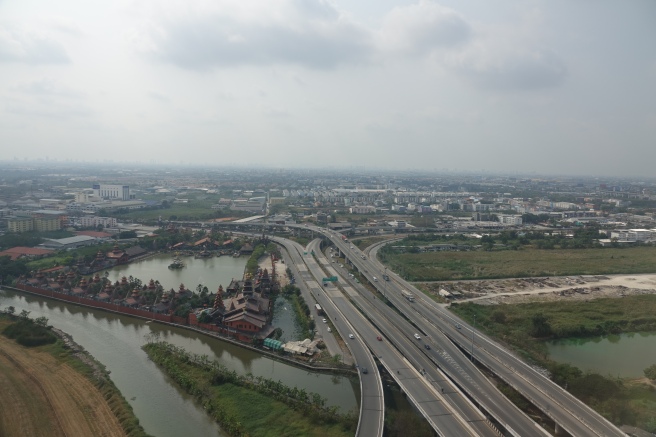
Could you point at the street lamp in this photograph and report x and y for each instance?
(472, 348)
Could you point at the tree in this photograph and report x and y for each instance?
(25, 314)
(41, 321)
(10, 310)
(650, 372)
(541, 326)
(498, 316)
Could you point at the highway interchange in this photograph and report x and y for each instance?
(436, 378)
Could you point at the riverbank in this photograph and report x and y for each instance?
(59, 390)
(245, 405)
(304, 364)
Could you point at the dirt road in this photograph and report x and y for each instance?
(43, 397)
(522, 290)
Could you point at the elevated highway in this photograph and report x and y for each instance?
(564, 409)
(444, 401)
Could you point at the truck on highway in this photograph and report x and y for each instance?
(408, 295)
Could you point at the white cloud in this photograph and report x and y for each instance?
(18, 44)
(421, 28)
(47, 87)
(313, 34)
(490, 66)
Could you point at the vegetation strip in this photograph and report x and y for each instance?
(248, 405)
(526, 262)
(527, 326)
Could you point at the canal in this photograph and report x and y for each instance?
(116, 340)
(623, 355)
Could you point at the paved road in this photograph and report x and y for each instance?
(372, 405)
(422, 392)
(400, 334)
(571, 414)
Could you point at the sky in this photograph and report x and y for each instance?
(514, 86)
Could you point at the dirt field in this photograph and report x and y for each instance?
(492, 292)
(43, 397)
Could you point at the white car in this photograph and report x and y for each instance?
(330, 330)
(351, 336)
(325, 321)
(417, 337)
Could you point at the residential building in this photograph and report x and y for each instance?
(20, 224)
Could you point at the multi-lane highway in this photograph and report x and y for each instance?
(443, 404)
(568, 412)
(443, 330)
(372, 406)
(446, 357)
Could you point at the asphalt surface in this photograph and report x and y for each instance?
(443, 397)
(372, 405)
(571, 414)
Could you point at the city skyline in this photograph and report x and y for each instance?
(514, 87)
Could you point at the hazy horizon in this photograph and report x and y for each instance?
(540, 87)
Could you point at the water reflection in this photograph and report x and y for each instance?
(623, 355)
(116, 340)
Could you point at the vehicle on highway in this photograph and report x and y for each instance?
(379, 338)
(330, 330)
(417, 336)
(408, 295)
(351, 336)
(375, 279)
(364, 370)
(427, 346)
(324, 321)
(458, 325)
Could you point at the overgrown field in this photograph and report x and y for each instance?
(526, 326)
(247, 405)
(444, 266)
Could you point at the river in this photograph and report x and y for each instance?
(163, 410)
(623, 355)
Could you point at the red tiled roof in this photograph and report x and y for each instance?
(15, 252)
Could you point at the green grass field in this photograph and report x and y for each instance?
(444, 266)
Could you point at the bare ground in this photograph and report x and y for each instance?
(492, 292)
(41, 396)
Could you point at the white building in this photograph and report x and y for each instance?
(121, 192)
(93, 221)
(514, 220)
(632, 235)
(362, 209)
